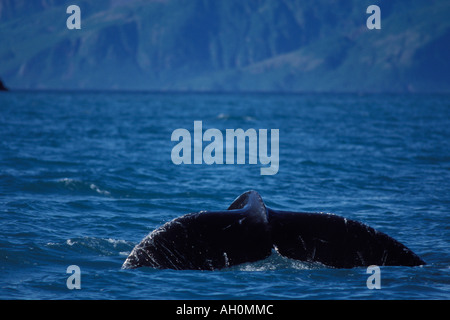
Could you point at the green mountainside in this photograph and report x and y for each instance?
(226, 45)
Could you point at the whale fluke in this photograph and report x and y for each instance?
(336, 241)
(248, 231)
(208, 240)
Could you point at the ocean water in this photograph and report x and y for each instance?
(84, 177)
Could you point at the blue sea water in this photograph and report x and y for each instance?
(85, 176)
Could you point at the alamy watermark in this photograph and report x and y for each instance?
(213, 153)
(374, 280)
(73, 281)
(74, 20)
(374, 20)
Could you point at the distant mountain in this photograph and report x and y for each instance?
(227, 45)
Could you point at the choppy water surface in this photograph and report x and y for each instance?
(85, 176)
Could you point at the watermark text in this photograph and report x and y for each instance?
(213, 153)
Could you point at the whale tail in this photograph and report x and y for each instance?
(248, 231)
(208, 240)
(335, 241)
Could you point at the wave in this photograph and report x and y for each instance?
(63, 185)
(78, 185)
(98, 246)
(277, 262)
(226, 116)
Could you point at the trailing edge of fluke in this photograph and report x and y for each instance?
(248, 231)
